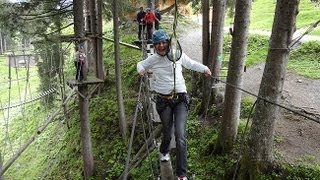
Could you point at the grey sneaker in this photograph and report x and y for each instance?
(164, 157)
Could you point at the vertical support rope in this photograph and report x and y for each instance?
(174, 47)
(132, 132)
(8, 111)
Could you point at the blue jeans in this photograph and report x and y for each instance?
(174, 112)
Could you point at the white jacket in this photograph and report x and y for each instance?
(162, 69)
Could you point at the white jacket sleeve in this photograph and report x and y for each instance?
(188, 63)
(146, 64)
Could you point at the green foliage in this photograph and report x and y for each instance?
(263, 13)
(292, 172)
(257, 49)
(246, 106)
(201, 163)
(256, 52)
(305, 60)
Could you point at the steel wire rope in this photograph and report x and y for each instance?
(30, 76)
(49, 119)
(29, 141)
(18, 83)
(148, 101)
(297, 39)
(17, 78)
(293, 43)
(8, 113)
(6, 125)
(243, 140)
(37, 97)
(23, 107)
(317, 120)
(147, 145)
(132, 130)
(175, 51)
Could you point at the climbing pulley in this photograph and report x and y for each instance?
(175, 50)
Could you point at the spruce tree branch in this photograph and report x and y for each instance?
(64, 27)
(46, 16)
(45, 13)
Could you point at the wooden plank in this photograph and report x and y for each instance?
(166, 170)
(90, 80)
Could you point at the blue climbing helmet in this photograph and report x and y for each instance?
(159, 36)
(148, 9)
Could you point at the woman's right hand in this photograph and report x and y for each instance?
(141, 73)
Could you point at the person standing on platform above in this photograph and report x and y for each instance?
(172, 100)
(141, 23)
(150, 18)
(158, 16)
(80, 63)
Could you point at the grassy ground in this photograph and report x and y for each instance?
(263, 11)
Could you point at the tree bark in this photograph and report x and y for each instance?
(78, 18)
(205, 54)
(92, 44)
(231, 112)
(78, 6)
(1, 43)
(258, 156)
(121, 113)
(214, 54)
(99, 61)
(1, 164)
(216, 46)
(85, 132)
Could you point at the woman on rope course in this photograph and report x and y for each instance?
(172, 100)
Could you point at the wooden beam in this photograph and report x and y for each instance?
(123, 43)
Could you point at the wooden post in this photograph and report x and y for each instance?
(85, 131)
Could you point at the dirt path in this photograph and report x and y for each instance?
(297, 139)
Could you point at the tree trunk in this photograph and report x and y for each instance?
(99, 61)
(214, 55)
(205, 32)
(1, 164)
(217, 36)
(78, 6)
(85, 131)
(231, 112)
(205, 54)
(78, 18)
(258, 156)
(1, 43)
(92, 44)
(121, 113)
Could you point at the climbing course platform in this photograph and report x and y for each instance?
(89, 81)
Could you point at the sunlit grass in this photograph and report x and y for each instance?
(263, 11)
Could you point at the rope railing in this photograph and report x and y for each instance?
(315, 119)
(37, 97)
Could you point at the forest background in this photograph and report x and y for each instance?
(58, 149)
